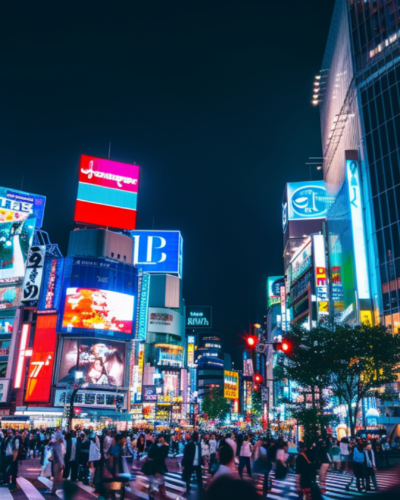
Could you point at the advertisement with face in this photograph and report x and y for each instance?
(274, 284)
(97, 362)
(94, 309)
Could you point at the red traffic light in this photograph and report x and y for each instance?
(251, 340)
(256, 388)
(258, 378)
(285, 347)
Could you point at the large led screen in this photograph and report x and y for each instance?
(97, 362)
(94, 309)
(107, 193)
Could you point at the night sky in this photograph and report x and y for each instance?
(211, 98)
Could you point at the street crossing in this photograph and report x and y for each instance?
(138, 487)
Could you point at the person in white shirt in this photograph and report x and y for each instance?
(371, 467)
(108, 440)
(344, 454)
(229, 439)
(213, 450)
(244, 457)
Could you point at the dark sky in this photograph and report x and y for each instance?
(211, 98)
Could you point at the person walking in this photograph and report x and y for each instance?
(70, 459)
(262, 464)
(192, 462)
(83, 458)
(358, 467)
(305, 472)
(245, 456)
(231, 441)
(213, 451)
(323, 460)
(344, 454)
(334, 452)
(58, 464)
(226, 462)
(371, 467)
(12, 456)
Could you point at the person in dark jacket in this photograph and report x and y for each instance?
(323, 460)
(305, 471)
(71, 456)
(83, 458)
(192, 462)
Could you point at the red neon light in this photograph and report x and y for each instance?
(42, 360)
(285, 346)
(26, 329)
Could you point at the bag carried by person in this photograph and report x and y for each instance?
(94, 452)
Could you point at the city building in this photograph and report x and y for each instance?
(358, 95)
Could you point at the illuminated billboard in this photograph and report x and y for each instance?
(96, 362)
(107, 193)
(306, 200)
(164, 321)
(52, 285)
(231, 385)
(33, 273)
(95, 309)
(158, 251)
(357, 224)
(274, 284)
(198, 317)
(17, 206)
(321, 283)
(42, 360)
(106, 297)
(301, 261)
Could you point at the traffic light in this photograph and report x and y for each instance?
(251, 341)
(284, 346)
(256, 388)
(257, 379)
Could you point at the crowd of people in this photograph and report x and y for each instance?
(101, 458)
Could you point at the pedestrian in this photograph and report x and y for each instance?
(70, 459)
(231, 441)
(334, 452)
(205, 451)
(58, 463)
(83, 458)
(108, 442)
(305, 472)
(385, 450)
(281, 461)
(213, 451)
(358, 468)
(226, 462)
(344, 454)
(323, 460)
(12, 444)
(262, 464)
(371, 467)
(192, 462)
(232, 489)
(245, 457)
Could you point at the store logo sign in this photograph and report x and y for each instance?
(307, 200)
(158, 251)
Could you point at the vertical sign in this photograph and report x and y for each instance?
(33, 273)
(321, 285)
(357, 224)
(283, 307)
(143, 307)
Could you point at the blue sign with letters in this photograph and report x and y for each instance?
(307, 200)
(158, 251)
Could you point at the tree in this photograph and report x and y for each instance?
(309, 364)
(215, 405)
(256, 407)
(364, 359)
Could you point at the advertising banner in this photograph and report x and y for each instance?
(321, 283)
(144, 293)
(274, 284)
(149, 393)
(17, 206)
(248, 368)
(94, 309)
(301, 261)
(42, 360)
(107, 193)
(19, 213)
(158, 251)
(33, 273)
(307, 200)
(98, 295)
(164, 321)
(99, 363)
(52, 285)
(357, 223)
(231, 385)
(198, 317)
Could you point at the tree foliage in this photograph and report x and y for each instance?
(353, 362)
(214, 405)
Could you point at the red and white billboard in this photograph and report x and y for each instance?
(42, 360)
(107, 193)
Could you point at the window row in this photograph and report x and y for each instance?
(380, 84)
(385, 173)
(388, 243)
(383, 140)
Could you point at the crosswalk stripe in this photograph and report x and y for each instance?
(5, 494)
(47, 482)
(30, 491)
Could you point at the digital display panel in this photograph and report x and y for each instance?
(274, 284)
(95, 309)
(164, 321)
(306, 200)
(42, 360)
(158, 251)
(198, 317)
(107, 193)
(17, 206)
(301, 261)
(231, 385)
(97, 362)
(52, 285)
